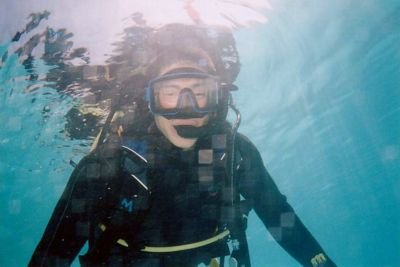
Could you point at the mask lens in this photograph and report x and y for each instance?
(174, 94)
(166, 94)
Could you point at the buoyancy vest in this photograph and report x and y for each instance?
(172, 197)
(185, 188)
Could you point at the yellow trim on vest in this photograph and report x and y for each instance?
(187, 246)
(96, 141)
(122, 242)
(318, 260)
(214, 263)
(168, 249)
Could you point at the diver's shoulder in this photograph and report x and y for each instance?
(244, 143)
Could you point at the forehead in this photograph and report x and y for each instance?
(183, 65)
(183, 81)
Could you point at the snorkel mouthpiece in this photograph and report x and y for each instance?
(188, 131)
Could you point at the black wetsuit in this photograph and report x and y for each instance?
(178, 204)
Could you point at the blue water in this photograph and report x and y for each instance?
(320, 97)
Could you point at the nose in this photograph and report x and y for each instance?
(186, 99)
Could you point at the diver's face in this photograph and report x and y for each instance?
(168, 100)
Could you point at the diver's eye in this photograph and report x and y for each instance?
(169, 90)
(199, 90)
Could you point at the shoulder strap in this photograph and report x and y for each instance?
(130, 197)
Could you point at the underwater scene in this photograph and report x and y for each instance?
(317, 84)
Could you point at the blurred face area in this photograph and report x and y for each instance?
(168, 98)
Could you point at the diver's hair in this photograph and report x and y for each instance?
(145, 51)
(192, 55)
(212, 47)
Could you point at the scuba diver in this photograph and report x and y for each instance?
(169, 181)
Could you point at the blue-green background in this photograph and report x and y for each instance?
(320, 97)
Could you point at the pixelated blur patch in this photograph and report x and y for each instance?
(276, 233)
(14, 124)
(205, 156)
(206, 178)
(78, 205)
(390, 153)
(187, 156)
(93, 170)
(287, 219)
(219, 141)
(205, 174)
(397, 190)
(82, 229)
(14, 206)
(209, 212)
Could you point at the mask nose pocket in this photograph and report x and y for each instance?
(187, 100)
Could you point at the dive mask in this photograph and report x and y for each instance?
(184, 94)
